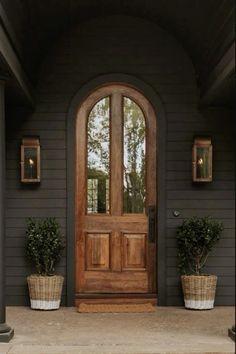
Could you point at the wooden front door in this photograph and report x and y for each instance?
(115, 192)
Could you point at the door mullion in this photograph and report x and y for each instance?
(116, 153)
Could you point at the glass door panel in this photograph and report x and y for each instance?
(98, 158)
(134, 158)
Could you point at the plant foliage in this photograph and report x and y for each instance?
(195, 240)
(44, 244)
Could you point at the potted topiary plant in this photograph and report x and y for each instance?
(195, 240)
(44, 245)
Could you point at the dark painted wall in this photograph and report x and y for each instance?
(135, 47)
(206, 28)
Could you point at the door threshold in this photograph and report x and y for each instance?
(116, 299)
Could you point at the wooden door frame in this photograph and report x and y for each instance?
(153, 97)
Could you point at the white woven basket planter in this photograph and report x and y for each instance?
(45, 291)
(199, 291)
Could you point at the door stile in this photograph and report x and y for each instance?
(81, 179)
(116, 154)
(151, 189)
(116, 175)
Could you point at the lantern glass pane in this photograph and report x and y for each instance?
(30, 163)
(202, 164)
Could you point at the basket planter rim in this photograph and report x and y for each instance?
(198, 276)
(44, 276)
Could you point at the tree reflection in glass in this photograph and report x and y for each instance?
(98, 156)
(133, 158)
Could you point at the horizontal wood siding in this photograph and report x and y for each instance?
(135, 47)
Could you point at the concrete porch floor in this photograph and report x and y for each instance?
(167, 330)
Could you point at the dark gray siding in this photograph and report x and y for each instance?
(138, 48)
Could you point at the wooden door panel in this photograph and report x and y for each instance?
(97, 251)
(134, 252)
(116, 282)
(126, 223)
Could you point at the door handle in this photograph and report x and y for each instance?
(152, 223)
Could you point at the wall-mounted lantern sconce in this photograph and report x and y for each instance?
(202, 160)
(30, 160)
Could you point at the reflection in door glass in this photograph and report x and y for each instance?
(134, 158)
(98, 150)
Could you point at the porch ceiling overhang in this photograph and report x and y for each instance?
(204, 28)
(12, 72)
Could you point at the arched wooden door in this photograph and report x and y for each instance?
(115, 195)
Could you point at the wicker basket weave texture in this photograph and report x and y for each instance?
(45, 287)
(197, 288)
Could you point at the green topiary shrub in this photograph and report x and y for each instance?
(44, 244)
(195, 240)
